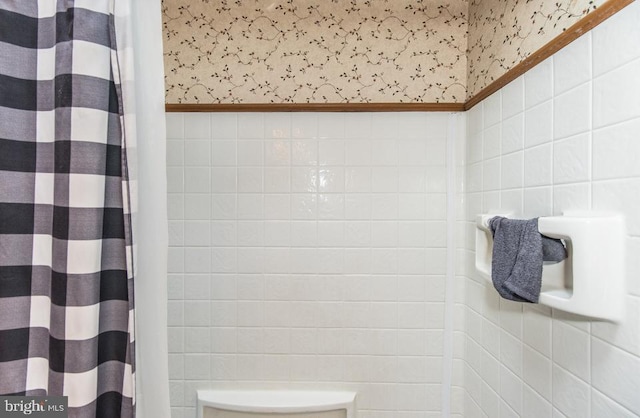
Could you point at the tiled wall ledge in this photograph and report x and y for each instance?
(590, 21)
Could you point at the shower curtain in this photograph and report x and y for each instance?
(67, 202)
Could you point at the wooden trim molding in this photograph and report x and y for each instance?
(581, 27)
(316, 107)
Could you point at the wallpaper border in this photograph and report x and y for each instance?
(581, 27)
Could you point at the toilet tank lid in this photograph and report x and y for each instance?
(276, 401)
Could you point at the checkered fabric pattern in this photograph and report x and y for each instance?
(66, 282)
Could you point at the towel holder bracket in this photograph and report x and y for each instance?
(590, 282)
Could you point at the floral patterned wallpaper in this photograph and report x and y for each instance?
(502, 33)
(315, 51)
(351, 51)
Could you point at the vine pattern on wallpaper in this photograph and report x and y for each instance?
(502, 33)
(315, 51)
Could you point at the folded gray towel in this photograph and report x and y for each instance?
(518, 252)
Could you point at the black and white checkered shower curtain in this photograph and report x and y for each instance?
(66, 282)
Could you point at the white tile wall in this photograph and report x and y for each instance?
(309, 250)
(574, 145)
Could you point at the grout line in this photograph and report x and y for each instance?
(452, 131)
(591, 129)
(524, 383)
(618, 404)
(564, 369)
(609, 343)
(616, 123)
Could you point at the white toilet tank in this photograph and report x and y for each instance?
(275, 403)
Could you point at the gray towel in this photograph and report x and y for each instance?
(518, 252)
